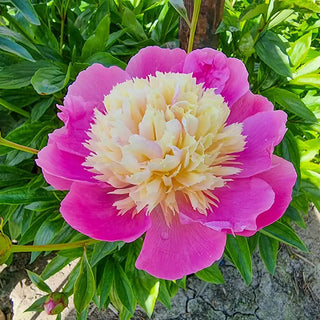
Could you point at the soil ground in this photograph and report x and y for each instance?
(293, 293)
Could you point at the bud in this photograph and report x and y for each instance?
(5, 245)
(55, 303)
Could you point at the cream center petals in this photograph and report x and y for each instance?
(163, 138)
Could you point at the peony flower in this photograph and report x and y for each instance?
(175, 146)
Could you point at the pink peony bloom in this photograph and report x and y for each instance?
(175, 146)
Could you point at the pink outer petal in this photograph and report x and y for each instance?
(56, 182)
(77, 116)
(237, 84)
(96, 82)
(263, 132)
(89, 209)
(84, 95)
(173, 252)
(60, 166)
(228, 75)
(248, 105)
(281, 177)
(240, 203)
(151, 59)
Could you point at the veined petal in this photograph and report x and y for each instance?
(173, 252)
(89, 209)
(240, 203)
(237, 84)
(152, 59)
(264, 131)
(96, 82)
(236, 206)
(281, 177)
(212, 68)
(62, 165)
(247, 106)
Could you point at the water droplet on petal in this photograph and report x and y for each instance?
(164, 235)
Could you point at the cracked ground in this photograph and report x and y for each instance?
(293, 293)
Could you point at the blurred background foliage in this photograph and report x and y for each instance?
(45, 44)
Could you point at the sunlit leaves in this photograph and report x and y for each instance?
(272, 51)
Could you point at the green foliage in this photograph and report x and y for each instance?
(43, 47)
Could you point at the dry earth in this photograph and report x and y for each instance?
(292, 293)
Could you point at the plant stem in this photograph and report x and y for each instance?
(7, 143)
(53, 247)
(194, 21)
(63, 14)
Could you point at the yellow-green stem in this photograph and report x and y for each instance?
(7, 143)
(194, 21)
(53, 247)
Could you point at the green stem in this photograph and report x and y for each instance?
(63, 14)
(53, 247)
(61, 32)
(194, 21)
(7, 143)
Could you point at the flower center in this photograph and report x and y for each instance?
(160, 137)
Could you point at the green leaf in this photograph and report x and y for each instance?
(97, 42)
(311, 79)
(102, 249)
(106, 282)
(69, 287)
(146, 290)
(255, 11)
(12, 175)
(14, 48)
(313, 192)
(130, 21)
(268, 248)
(106, 59)
(45, 234)
(23, 195)
(19, 75)
(27, 10)
(290, 102)
(238, 250)
(18, 37)
(37, 306)
(124, 289)
(295, 216)
(284, 233)
(40, 108)
(309, 67)
(13, 108)
(299, 49)
(181, 9)
(305, 4)
(38, 282)
(55, 265)
(211, 274)
(279, 17)
(84, 286)
(253, 242)
(164, 295)
(49, 80)
(289, 150)
(246, 44)
(271, 50)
